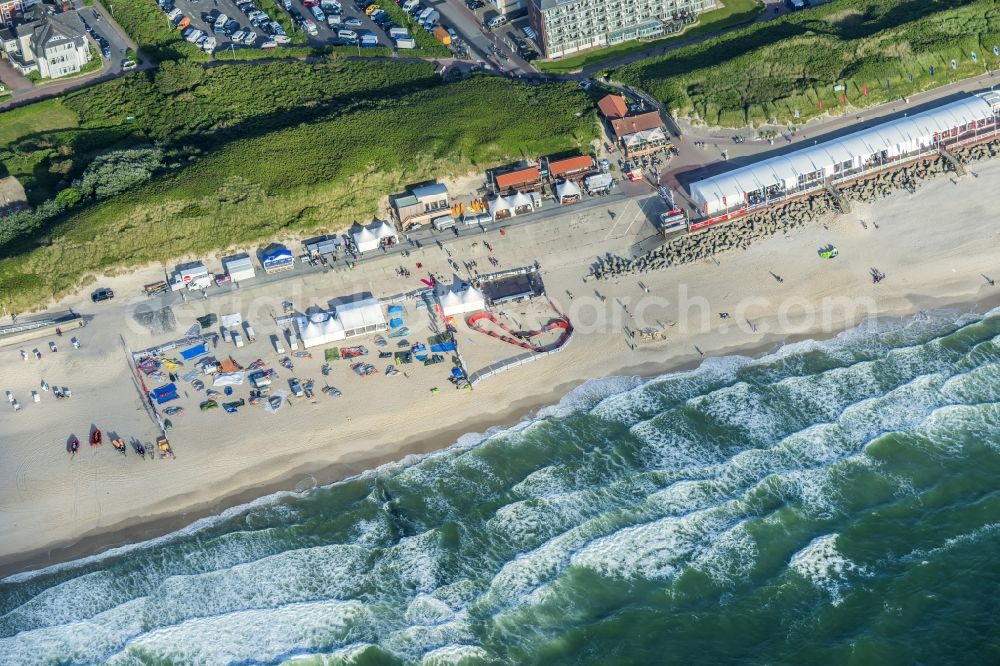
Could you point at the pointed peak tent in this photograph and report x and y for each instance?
(364, 239)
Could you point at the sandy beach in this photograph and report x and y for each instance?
(935, 246)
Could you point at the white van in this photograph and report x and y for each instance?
(333, 20)
(349, 35)
(496, 22)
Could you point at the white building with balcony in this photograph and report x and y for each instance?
(567, 26)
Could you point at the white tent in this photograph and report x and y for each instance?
(361, 317)
(501, 206)
(384, 230)
(365, 239)
(567, 191)
(319, 329)
(473, 299)
(458, 298)
(451, 302)
(522, 201)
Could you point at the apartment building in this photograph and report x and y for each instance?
(568, 26)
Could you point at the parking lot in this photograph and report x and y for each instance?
(328, 35)
(238, 30)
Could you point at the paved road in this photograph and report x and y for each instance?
(482, 42)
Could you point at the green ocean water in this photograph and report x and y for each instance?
(832, 503)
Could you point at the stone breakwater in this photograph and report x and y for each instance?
(741, 233)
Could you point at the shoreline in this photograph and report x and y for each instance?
(57, 509)
(146, 528)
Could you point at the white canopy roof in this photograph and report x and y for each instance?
(567, 188)
(384, 230)
(365, 239)
(521, 199)
(894, 137)
(500, 203)
(360, 316)
(458, 298)
(316, 330)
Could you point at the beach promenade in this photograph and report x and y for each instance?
(934, 246)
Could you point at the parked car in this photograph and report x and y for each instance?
(296, 387)
(353, 22)
(349, 35)
(102, 294)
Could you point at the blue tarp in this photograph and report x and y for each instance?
(456, 373)
(194, 352)
(395, 322)
(164, 394)
(396, 309)
(443, 347)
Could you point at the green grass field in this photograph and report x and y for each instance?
(317, 166)
(733, 12)
(765, 73)
(51, 114)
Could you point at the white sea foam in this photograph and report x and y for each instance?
(729, 557)
(411, 564)
(426, 610)
(825, 567)
(963, 539)
(548, 480)
(587, 395)
(257, 635)
(456, 655)
(981, 384)
(655, 549)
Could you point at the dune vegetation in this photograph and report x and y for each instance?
(840, 55)
(203, 164)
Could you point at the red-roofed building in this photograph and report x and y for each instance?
(613, 107)
(637, 123)
(519, 180)
(571, 167)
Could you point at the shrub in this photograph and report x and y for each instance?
(119, 171)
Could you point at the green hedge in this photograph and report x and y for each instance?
(793, 63)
